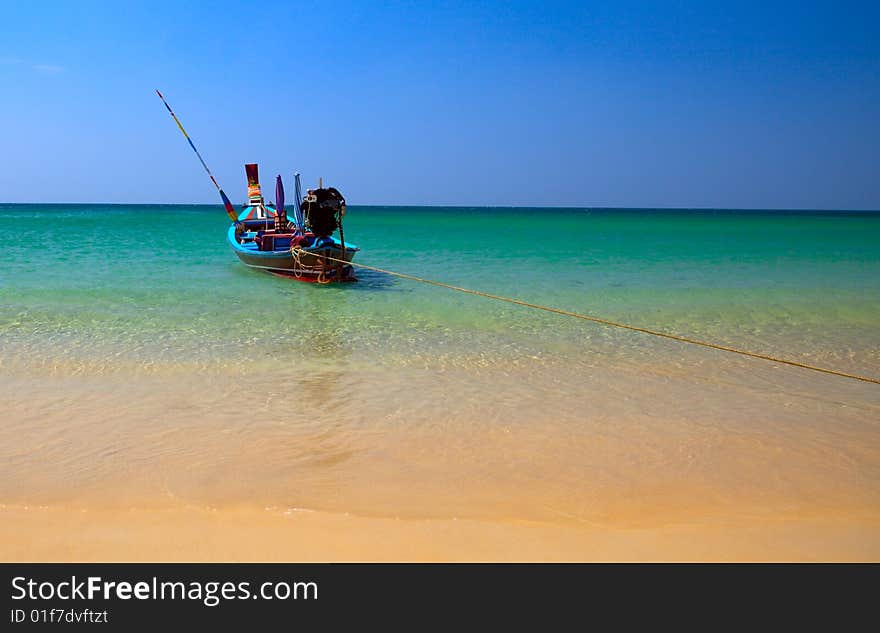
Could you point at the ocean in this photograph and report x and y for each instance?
(145, 367)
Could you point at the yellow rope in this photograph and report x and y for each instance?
(296, 253)
(585, 317)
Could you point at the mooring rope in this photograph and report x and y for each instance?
(608, 322)
(295, 252)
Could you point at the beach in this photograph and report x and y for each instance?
(163, 402)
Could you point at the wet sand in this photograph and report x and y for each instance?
(181, 406)
(242, 534)
(742, 462)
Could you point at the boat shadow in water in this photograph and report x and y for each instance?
(373, 280)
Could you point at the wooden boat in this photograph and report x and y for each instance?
(303, 247)
(263, 237)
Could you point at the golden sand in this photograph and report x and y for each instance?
(537, 463)
(241, 534)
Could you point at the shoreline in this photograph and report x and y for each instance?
(166, 409)
(163, 470)
(58, 533)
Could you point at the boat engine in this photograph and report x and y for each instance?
(323, 210)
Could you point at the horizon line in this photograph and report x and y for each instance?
(484, 206)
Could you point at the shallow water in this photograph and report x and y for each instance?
(143, 366)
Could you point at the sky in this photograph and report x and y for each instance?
(596, 104)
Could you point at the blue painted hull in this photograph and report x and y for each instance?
(309, 263)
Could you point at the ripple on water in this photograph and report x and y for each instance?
(193, 380)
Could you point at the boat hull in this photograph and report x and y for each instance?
(315, 264)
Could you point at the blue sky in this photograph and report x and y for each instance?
(667, 104)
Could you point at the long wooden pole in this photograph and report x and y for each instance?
(230, 210)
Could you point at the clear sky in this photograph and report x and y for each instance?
(668, 104)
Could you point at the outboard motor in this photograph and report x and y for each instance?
(323, 209)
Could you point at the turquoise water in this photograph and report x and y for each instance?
(144, 365)
(147, 284)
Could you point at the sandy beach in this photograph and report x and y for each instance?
(164, 411)
(236, 534)
(158, 468)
